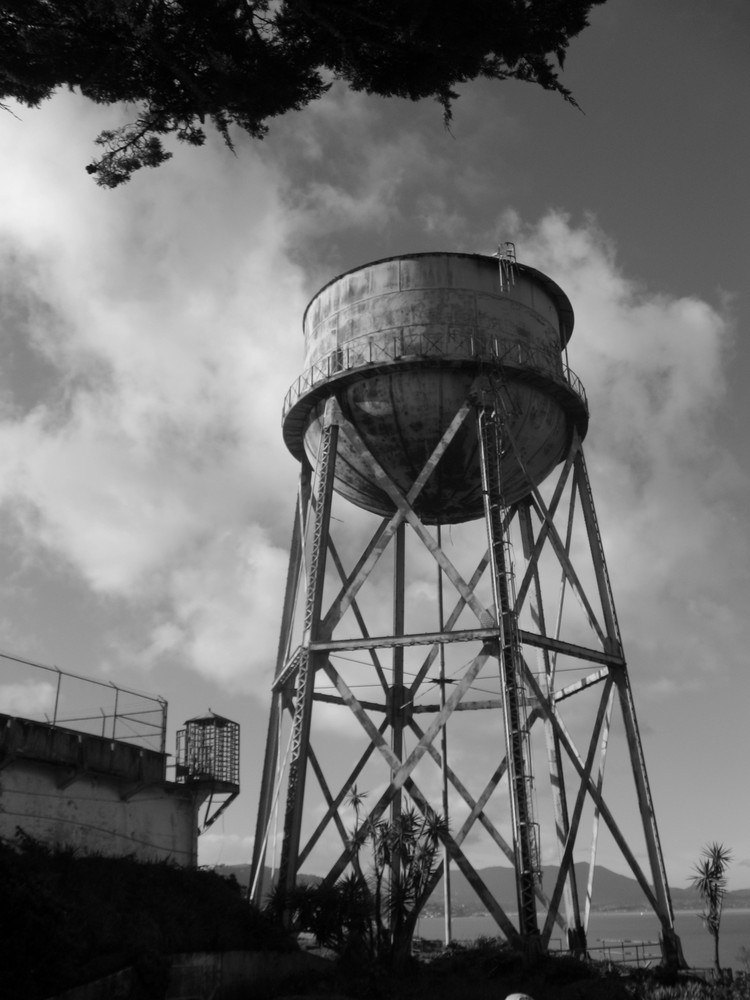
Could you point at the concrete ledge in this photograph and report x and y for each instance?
(228, 975)
(38, 741)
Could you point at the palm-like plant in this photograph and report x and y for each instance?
(710, 880)
(404, 871)
(373, 911)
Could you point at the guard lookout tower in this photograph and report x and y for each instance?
(449, 642)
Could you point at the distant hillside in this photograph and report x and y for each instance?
(242, 874)
(611, 891)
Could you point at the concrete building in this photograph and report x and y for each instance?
(107, 791)
(97, 795)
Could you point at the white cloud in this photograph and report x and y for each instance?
(27, 699)
(654, 368)
(164, 319)
(224, 849)
(226, 608)
(363, 180)
(164, 313)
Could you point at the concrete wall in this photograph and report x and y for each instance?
(106, 797)
(228, 975)
(234, 974)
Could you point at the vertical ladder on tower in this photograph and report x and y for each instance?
(492, 416)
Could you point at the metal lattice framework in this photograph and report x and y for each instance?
(517, 669)
(208, 760)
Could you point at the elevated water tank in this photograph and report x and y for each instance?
(208, 751)
(400, 342)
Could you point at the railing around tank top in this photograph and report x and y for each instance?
(458, 345)
(61, 699)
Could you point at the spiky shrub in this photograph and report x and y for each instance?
(374, 909)
(710, 880)
(404, 870)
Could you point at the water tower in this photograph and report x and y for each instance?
(208, 763)
(449, 641)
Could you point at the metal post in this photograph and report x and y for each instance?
(397, 696)
(268, 798)
(114, 713)
(309, 661)
(57, 696)
(163, 734)
(489, 428)
(448, 916)
(575, 931)
(671, 943)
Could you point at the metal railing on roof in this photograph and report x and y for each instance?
(405, 344)
(84, 704)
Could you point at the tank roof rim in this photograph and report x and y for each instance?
(562, 302)
(576, 405)
(209, 716)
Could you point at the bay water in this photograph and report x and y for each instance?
(609, 927)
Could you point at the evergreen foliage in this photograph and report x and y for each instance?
(66, 919)
(239, 63)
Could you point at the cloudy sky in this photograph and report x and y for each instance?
(148, 336)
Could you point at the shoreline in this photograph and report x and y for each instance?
(599, 912)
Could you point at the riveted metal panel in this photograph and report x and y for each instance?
(400, 343)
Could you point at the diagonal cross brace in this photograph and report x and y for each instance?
(404, 512)
(594, 792)
(401, 771)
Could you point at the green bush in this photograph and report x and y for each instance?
(67, 919)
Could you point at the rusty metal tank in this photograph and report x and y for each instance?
(401, 342)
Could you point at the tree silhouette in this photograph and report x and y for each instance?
(239, 63)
